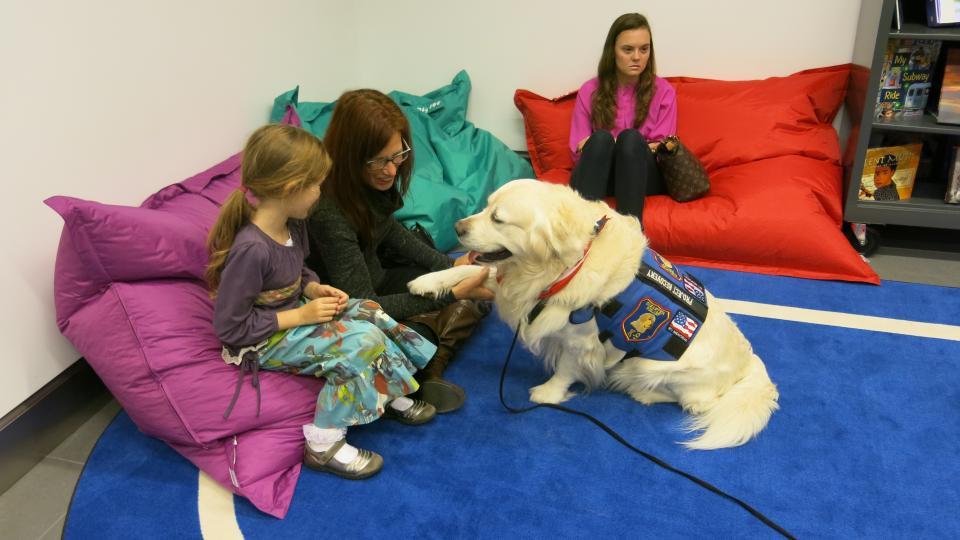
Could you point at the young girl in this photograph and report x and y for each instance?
(270, 305)
(619, 118)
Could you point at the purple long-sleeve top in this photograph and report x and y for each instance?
(260, 278)
(661, 118)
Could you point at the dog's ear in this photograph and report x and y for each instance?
(564, 230)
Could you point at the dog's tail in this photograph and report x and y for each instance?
(739, 414)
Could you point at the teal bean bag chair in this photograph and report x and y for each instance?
(457, 165)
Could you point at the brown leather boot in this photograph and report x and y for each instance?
(452, 325)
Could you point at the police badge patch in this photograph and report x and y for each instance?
(644, 321)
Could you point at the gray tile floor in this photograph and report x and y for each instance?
(36, 506)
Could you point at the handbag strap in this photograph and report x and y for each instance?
(669, 145)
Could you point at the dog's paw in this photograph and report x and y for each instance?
(436, 284)
(548, 393)
(426, 285)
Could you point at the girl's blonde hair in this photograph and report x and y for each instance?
(278, 160)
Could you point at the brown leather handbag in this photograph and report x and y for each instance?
(682, 172)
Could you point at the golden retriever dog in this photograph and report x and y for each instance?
(563, 266)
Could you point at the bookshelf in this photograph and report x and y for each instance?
(926, 207)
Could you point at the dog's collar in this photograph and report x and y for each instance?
(567, 276)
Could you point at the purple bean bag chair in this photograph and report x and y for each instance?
(130, 297)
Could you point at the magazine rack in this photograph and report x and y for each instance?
(926, 207)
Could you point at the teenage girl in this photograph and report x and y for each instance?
(620, 117)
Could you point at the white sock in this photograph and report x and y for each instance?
(320, 440)
(401, 403)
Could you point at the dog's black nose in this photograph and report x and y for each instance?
(460, 227)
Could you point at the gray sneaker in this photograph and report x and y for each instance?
(365, 465)
(420, 412)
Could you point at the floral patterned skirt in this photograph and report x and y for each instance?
(364, 358)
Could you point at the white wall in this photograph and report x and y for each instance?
(110, 100)
(552, 47)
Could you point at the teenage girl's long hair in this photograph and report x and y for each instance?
(278, 161)
(604, 104)
(362, 124)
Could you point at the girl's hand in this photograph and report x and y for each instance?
(316, 311)
(580, 144)
(320, 310)
(319, 290)
(472, 288)
(329, 290)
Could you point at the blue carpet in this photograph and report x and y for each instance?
(865, 446)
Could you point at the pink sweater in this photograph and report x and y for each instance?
(661, 118)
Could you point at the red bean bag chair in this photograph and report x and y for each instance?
(775, 199)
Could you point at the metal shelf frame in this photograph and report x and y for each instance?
(926, 207)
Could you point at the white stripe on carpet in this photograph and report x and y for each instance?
(218, 519)
(843, 320)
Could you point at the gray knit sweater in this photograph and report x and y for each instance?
(337, 256)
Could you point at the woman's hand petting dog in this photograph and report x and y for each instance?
(466, 281)
(473, 288)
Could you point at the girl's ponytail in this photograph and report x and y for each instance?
(233, 214)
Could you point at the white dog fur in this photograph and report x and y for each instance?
(719, 381)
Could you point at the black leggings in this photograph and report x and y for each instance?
(625, 169)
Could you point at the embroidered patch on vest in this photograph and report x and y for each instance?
(666, 265)
(683, 326)
(644, 321)
(694, 288)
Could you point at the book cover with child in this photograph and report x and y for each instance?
(905, 77)
(889, 172)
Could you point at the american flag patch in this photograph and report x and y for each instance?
(683, 326)
(694, 288)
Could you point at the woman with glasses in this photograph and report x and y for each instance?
(619, 118)
(360, 248)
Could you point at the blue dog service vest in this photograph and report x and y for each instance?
(657, 316)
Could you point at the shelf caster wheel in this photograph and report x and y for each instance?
(866, 242)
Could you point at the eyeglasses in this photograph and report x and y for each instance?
(379, 164)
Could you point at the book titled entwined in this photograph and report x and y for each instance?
(889, 172)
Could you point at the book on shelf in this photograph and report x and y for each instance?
(948, 105)
(942, 12)
(889, 172)
(953, 177)
(905, 77)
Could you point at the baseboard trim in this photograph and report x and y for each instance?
(38, 425)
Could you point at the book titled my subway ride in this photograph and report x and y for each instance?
(889, 172)
(905, 77)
